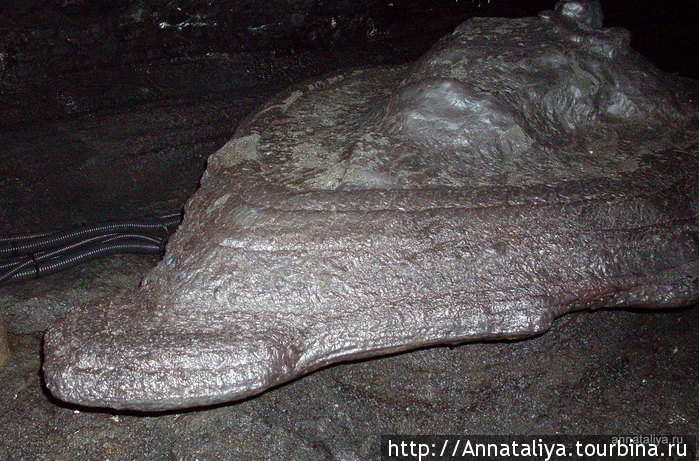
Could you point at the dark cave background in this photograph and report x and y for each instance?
(57, 36)
(110, 109)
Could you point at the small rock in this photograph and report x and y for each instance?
(588, 12)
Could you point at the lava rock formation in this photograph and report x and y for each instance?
(522, 169)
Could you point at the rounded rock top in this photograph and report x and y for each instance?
(588, 12)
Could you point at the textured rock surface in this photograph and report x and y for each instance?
(522, 169)
(587, 12)
(4, 348)
(604, 372)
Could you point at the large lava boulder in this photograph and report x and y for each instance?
(521, 170)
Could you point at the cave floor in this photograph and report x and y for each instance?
(141, 150)
(605, 372)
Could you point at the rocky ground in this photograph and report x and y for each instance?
(115, 121)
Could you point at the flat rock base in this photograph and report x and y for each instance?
(588, 373)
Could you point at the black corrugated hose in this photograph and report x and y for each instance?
(30, 256)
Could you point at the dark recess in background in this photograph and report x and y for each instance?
(55, 35)
(667, 32)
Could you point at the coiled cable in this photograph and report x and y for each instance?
(40, 254)
(20, 246)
